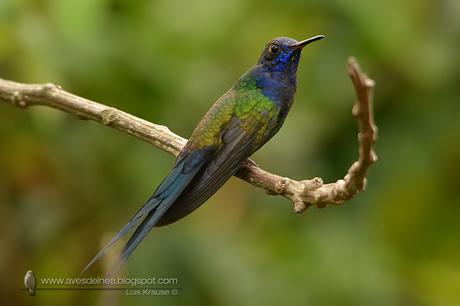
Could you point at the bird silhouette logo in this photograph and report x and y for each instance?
(30, 282)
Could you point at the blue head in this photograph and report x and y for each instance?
(275, 72)
(282, 54)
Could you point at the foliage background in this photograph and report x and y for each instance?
(66, 185)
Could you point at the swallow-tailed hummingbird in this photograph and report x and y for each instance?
(241, 121)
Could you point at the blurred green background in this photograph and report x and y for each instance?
(66, 185)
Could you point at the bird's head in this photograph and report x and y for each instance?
(283, 53)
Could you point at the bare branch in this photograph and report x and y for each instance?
(302, 193)
(314, 192)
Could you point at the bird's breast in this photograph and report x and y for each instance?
(278, 87)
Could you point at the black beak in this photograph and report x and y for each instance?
(305, 42)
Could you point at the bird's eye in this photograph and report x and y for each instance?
(273, 49)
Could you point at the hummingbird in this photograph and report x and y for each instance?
(241, 121)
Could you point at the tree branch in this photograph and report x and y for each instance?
(302, 193)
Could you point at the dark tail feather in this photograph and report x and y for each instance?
(165, 195)
(154, 216)
(148, 207)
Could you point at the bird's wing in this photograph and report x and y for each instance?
(187, 166)
(240, 139)
(238, 142)
(237, 145)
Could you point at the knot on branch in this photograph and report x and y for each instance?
(50, 89)
(281, 185)
(18, 99)
(108, 115)
(306, 194)
(313, 184)
(300, 205)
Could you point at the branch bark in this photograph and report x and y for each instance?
(302, 193)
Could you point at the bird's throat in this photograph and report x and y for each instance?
(278, 86)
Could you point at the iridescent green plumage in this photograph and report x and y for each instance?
(244, 101)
